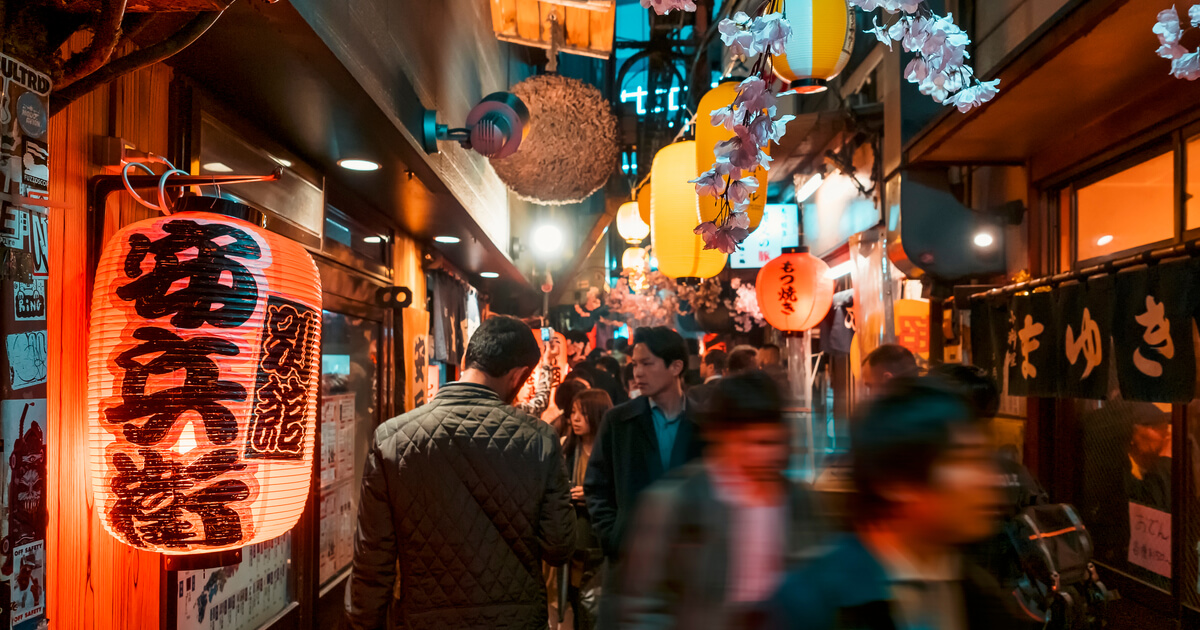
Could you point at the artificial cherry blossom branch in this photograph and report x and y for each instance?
(1184, 64)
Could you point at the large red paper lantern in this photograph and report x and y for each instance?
(794, 290)
(204, 367)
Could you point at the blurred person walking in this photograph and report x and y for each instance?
(581, 577)
(712, 368)
(926, 481)
(638, 443)
(741, 359)
(711, 541)
(462, 500)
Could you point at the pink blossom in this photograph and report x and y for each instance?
(739, 191)
(974, 95)
(771, 33)
(753, 95)
(710, 184)
(705, 230)
(1187, 67)
(765, 129)
(739, 219)
(725, 117)
(1194, 15)
(663, 7)
(916, 71)
(737, 36)
(1171, 51)
(1168, 28)
(916, 34)
(880, 32)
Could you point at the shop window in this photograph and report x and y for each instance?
(242, 596)
(348, 420)
(1127, 210)
(1126, 489)
(1193, 183)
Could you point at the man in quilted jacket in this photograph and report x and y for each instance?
(462, 500)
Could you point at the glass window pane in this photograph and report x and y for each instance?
(1193, 183)
(1126, 477)
(349, 347)
(1129, 209)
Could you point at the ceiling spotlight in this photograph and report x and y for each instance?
(488, 274)
(809, 187)
(547, 240)
(1104, 240)
(983, 239)
(217, 167)
(358, 165)
(447, 239)
(838, 271)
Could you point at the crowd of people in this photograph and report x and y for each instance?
(646, 503)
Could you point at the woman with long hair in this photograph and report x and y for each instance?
(580, 579)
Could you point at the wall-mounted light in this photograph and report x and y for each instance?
(447, 239)
(984, 239)
(217, 167)
(488, 274)
(840, 270)
(547, 240)
(358, 165)
(374, 240)
(1104, 240)
(809, 187)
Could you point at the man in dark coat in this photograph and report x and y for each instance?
(927, 483)
(638, 443)
(470, 495)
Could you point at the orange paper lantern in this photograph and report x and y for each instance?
(204, 367)
(794, 290)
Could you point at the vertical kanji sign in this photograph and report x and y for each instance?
(205, 338)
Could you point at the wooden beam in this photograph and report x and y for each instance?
(603, 27)
(586, 5)
(578, 28)
(597, 54)
(504, 17)
(529, 22)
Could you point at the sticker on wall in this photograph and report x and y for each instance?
(26, 359)
(36, 164)
(29, 300)
(28, 586)
(23, 424)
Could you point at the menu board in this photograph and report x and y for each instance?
(237, 597)
(339, 489)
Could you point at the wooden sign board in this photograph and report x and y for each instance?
(587, 25)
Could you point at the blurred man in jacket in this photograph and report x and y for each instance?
(712, 540)
(470, 495)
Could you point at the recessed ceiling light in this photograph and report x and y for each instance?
(447, 239)
(983, 239)
(358, 165)
(1104, 240)
(282, 162)
(488, 274)
(217, 167)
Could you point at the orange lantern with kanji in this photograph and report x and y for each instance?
(203, 368)
(794, 290)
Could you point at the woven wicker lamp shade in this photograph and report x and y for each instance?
(204, 363)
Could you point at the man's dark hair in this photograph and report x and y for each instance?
(621, 345)
(576, 336)
(741, 359)
(900, 436)
(610, 365)
(770, 346)
(974, 384)
(501, 344)
(893, 358)
(717, 359)
(749, 398)
(663, 343)
(627, 376)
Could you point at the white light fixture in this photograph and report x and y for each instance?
(838, 271)
(447, 239)
(374, 239)
(1104, 240)
(809, 188)
(983, 239)
(282, 162)
(358, 165)
(547, 240)
(217, 167)
(488, 274)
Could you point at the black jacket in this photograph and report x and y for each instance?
(625, 460)
(470, 495)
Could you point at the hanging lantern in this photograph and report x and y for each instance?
(820, 46)
(794, 290)
(643, 201)
(630, 225)
(633, 258)
(674, 213)
(707, 137)
(204, 366)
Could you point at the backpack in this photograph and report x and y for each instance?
(1059, 586)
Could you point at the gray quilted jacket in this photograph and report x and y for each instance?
(470, 496)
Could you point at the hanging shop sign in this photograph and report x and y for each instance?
(912, 325)
(780, 229)
(795, 291)
(1065, 342)
(24, 180)
(205, 342)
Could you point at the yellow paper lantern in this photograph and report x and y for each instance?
(633, 258)
(675, 212)
(630, 225)
(643, 201)
(707, 137)
(820, 46)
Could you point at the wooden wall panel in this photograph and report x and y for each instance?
(93, 582)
